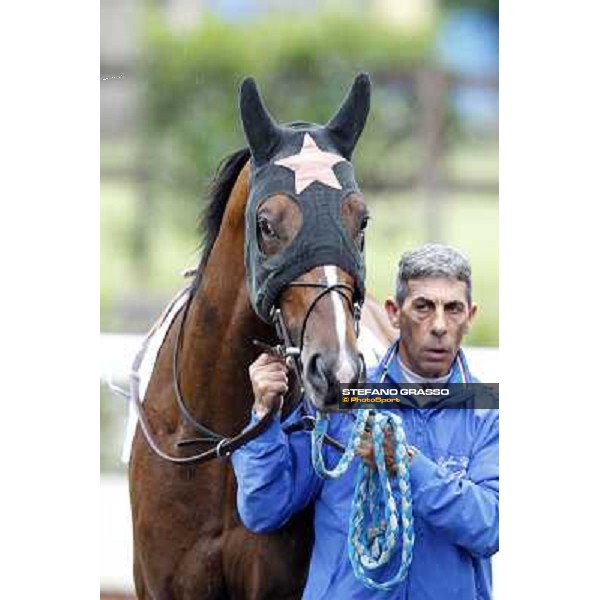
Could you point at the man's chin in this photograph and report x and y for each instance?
(432, 369)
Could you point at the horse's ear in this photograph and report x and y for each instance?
(347, 125)
(262, 133)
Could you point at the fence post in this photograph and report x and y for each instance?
(431, 94)
(145, 206)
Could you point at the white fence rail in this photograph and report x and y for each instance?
(118, 350)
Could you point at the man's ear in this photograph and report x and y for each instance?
(393, 312)
(472, 314)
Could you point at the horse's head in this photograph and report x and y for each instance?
(305, 221)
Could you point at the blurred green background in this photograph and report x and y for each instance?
(171, 70)
(427, 162)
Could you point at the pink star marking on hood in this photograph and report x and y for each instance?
(312, 164)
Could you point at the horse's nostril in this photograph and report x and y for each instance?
(320, 374)
(316, 372)
(332, 398)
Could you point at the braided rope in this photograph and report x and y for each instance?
(373, 537)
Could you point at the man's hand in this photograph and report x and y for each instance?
(268, 375)
(367, 452)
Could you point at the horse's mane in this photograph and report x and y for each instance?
(218, 195)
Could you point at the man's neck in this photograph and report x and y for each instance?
(412, 377)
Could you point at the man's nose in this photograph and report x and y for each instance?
(439, 327)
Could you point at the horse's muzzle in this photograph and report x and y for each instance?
(325, 375)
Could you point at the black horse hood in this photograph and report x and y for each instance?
(311, 165)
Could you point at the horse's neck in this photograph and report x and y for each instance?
(217, 344)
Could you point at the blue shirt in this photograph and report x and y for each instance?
(455, 487)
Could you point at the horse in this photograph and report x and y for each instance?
(189, 541)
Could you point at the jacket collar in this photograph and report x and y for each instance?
(389, 371)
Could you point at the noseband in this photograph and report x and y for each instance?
(355, 307)
(224, 446)
(288, 349)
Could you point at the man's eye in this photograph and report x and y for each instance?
(422, 307)
(265, 228)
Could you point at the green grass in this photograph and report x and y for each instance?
(468, 222)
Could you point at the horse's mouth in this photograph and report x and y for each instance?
(322, 382)
(329, 401)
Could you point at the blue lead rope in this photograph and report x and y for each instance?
(373, 537)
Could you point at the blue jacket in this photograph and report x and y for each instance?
(455, 490)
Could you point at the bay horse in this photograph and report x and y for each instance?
(189, 542)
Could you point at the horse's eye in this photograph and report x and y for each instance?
(266, 229)
(361, 233)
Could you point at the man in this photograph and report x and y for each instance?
(454, 452)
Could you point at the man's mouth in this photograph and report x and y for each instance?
(436, 354)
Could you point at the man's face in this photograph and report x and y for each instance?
(432, 321)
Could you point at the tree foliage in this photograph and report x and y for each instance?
(303, 67)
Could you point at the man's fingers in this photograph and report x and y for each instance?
(367, 452)
(364, 448)
(268, 375)
(272, 368)
(267, 389)
(266, 366)
(266, 359)
(277, 386)
(272, 379)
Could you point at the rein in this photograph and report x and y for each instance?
(224, 446)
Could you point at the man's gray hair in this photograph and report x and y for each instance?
(432, 260)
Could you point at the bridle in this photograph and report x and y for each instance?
(295, 352)
(222, 445)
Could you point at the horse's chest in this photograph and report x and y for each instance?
(229, 561)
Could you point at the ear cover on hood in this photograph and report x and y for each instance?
(309, 149)
(262, 133)
(347, 125)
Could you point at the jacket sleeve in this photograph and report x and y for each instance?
(464, 509)
(275, 477)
